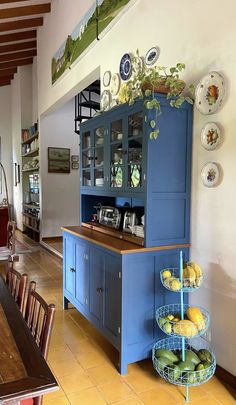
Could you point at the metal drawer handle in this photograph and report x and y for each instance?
(72, 270)
(100, 290)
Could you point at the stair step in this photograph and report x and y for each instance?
(82, 117)
(90, 104)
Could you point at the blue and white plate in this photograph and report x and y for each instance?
(152, 55)
(125, 67)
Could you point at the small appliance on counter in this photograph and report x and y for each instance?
(109, 216)
(130, 219)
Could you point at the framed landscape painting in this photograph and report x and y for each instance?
(58, 160)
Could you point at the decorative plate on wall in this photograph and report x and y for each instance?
(106, 78)
(125, 67)
(115, 84)
(210, 174)
(152, 55)
(209, 93)
(210, 136)
(105, 100)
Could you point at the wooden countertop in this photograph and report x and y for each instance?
(114, 244)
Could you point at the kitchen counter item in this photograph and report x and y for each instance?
(109, 216)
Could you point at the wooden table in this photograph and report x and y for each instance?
(24, 372)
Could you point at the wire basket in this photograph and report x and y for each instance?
(172, 373)
(168, 319)
(174, 284)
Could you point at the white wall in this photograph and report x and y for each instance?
(21, 113)
(6, 141)
(60, 192)
(203, 38)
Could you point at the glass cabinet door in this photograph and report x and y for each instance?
(99, 136)
(135, 150)
(93, 157)
(116, 154)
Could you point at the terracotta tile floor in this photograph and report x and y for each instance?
(84, 362)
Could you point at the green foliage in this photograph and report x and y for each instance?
(145, 82)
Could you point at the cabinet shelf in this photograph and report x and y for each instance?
(30, 216)
(34, 152)
(30, 139)
(31, 206)
(31, 227)
(35, 169)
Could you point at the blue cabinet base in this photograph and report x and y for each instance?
(121, 293)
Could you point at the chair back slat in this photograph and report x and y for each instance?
(17, 285)
(39, 317)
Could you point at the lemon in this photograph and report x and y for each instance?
(175, 285)
(166, 274)
(170, 317)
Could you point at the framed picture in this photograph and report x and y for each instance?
(58, 160)
(74, 158)
(75, 165)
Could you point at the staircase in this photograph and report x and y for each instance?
(87, 103)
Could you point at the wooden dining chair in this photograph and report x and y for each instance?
(39, 317)
(8, 252)
(17, 283)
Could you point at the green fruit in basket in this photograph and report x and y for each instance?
(174, 372)
(205, 355)
(191, 378)
(200, 372)
(191, 356)
(186, 366)
(166, 353)
(163, 362)
(167, 327)
(206, 364)
(162, 321)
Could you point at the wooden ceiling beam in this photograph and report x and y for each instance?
(21, 24)
(18, 36)
(25, 10)
(14, 63)
(5, 83)
(4, 78)
(10, 1)
(8, 72)
(17, 55)
(18, 47)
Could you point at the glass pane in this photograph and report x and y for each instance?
(99, 156)
(135, 150)
(34, 183)
(116, 176)
(116, 153)
(99, 136)
(86, 140)
(86, 178)
(99, 177)
(135, 176)
(87, 158)
(116, 131)
(136, 124)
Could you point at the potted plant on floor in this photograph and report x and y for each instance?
(146, 81)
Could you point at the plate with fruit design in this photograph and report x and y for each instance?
(210, 174)
(209, 93)
(210, 136)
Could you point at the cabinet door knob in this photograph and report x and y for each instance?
(99, 290)
(72, 270)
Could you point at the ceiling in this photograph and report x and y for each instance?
(19, 21)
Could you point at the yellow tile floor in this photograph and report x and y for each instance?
(84, 363)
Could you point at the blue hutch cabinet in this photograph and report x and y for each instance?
(114, 282)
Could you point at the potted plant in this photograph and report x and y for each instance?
(157, 79)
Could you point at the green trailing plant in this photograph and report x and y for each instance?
(146, 81)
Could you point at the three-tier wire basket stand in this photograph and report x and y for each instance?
(182, 344)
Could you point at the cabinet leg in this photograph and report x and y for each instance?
(123, 366)
(65, 303)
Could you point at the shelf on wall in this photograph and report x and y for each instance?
(35, 169)
(30, 139)
(31, 227)
(31, 206)
(30, 216)
(34, 152)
